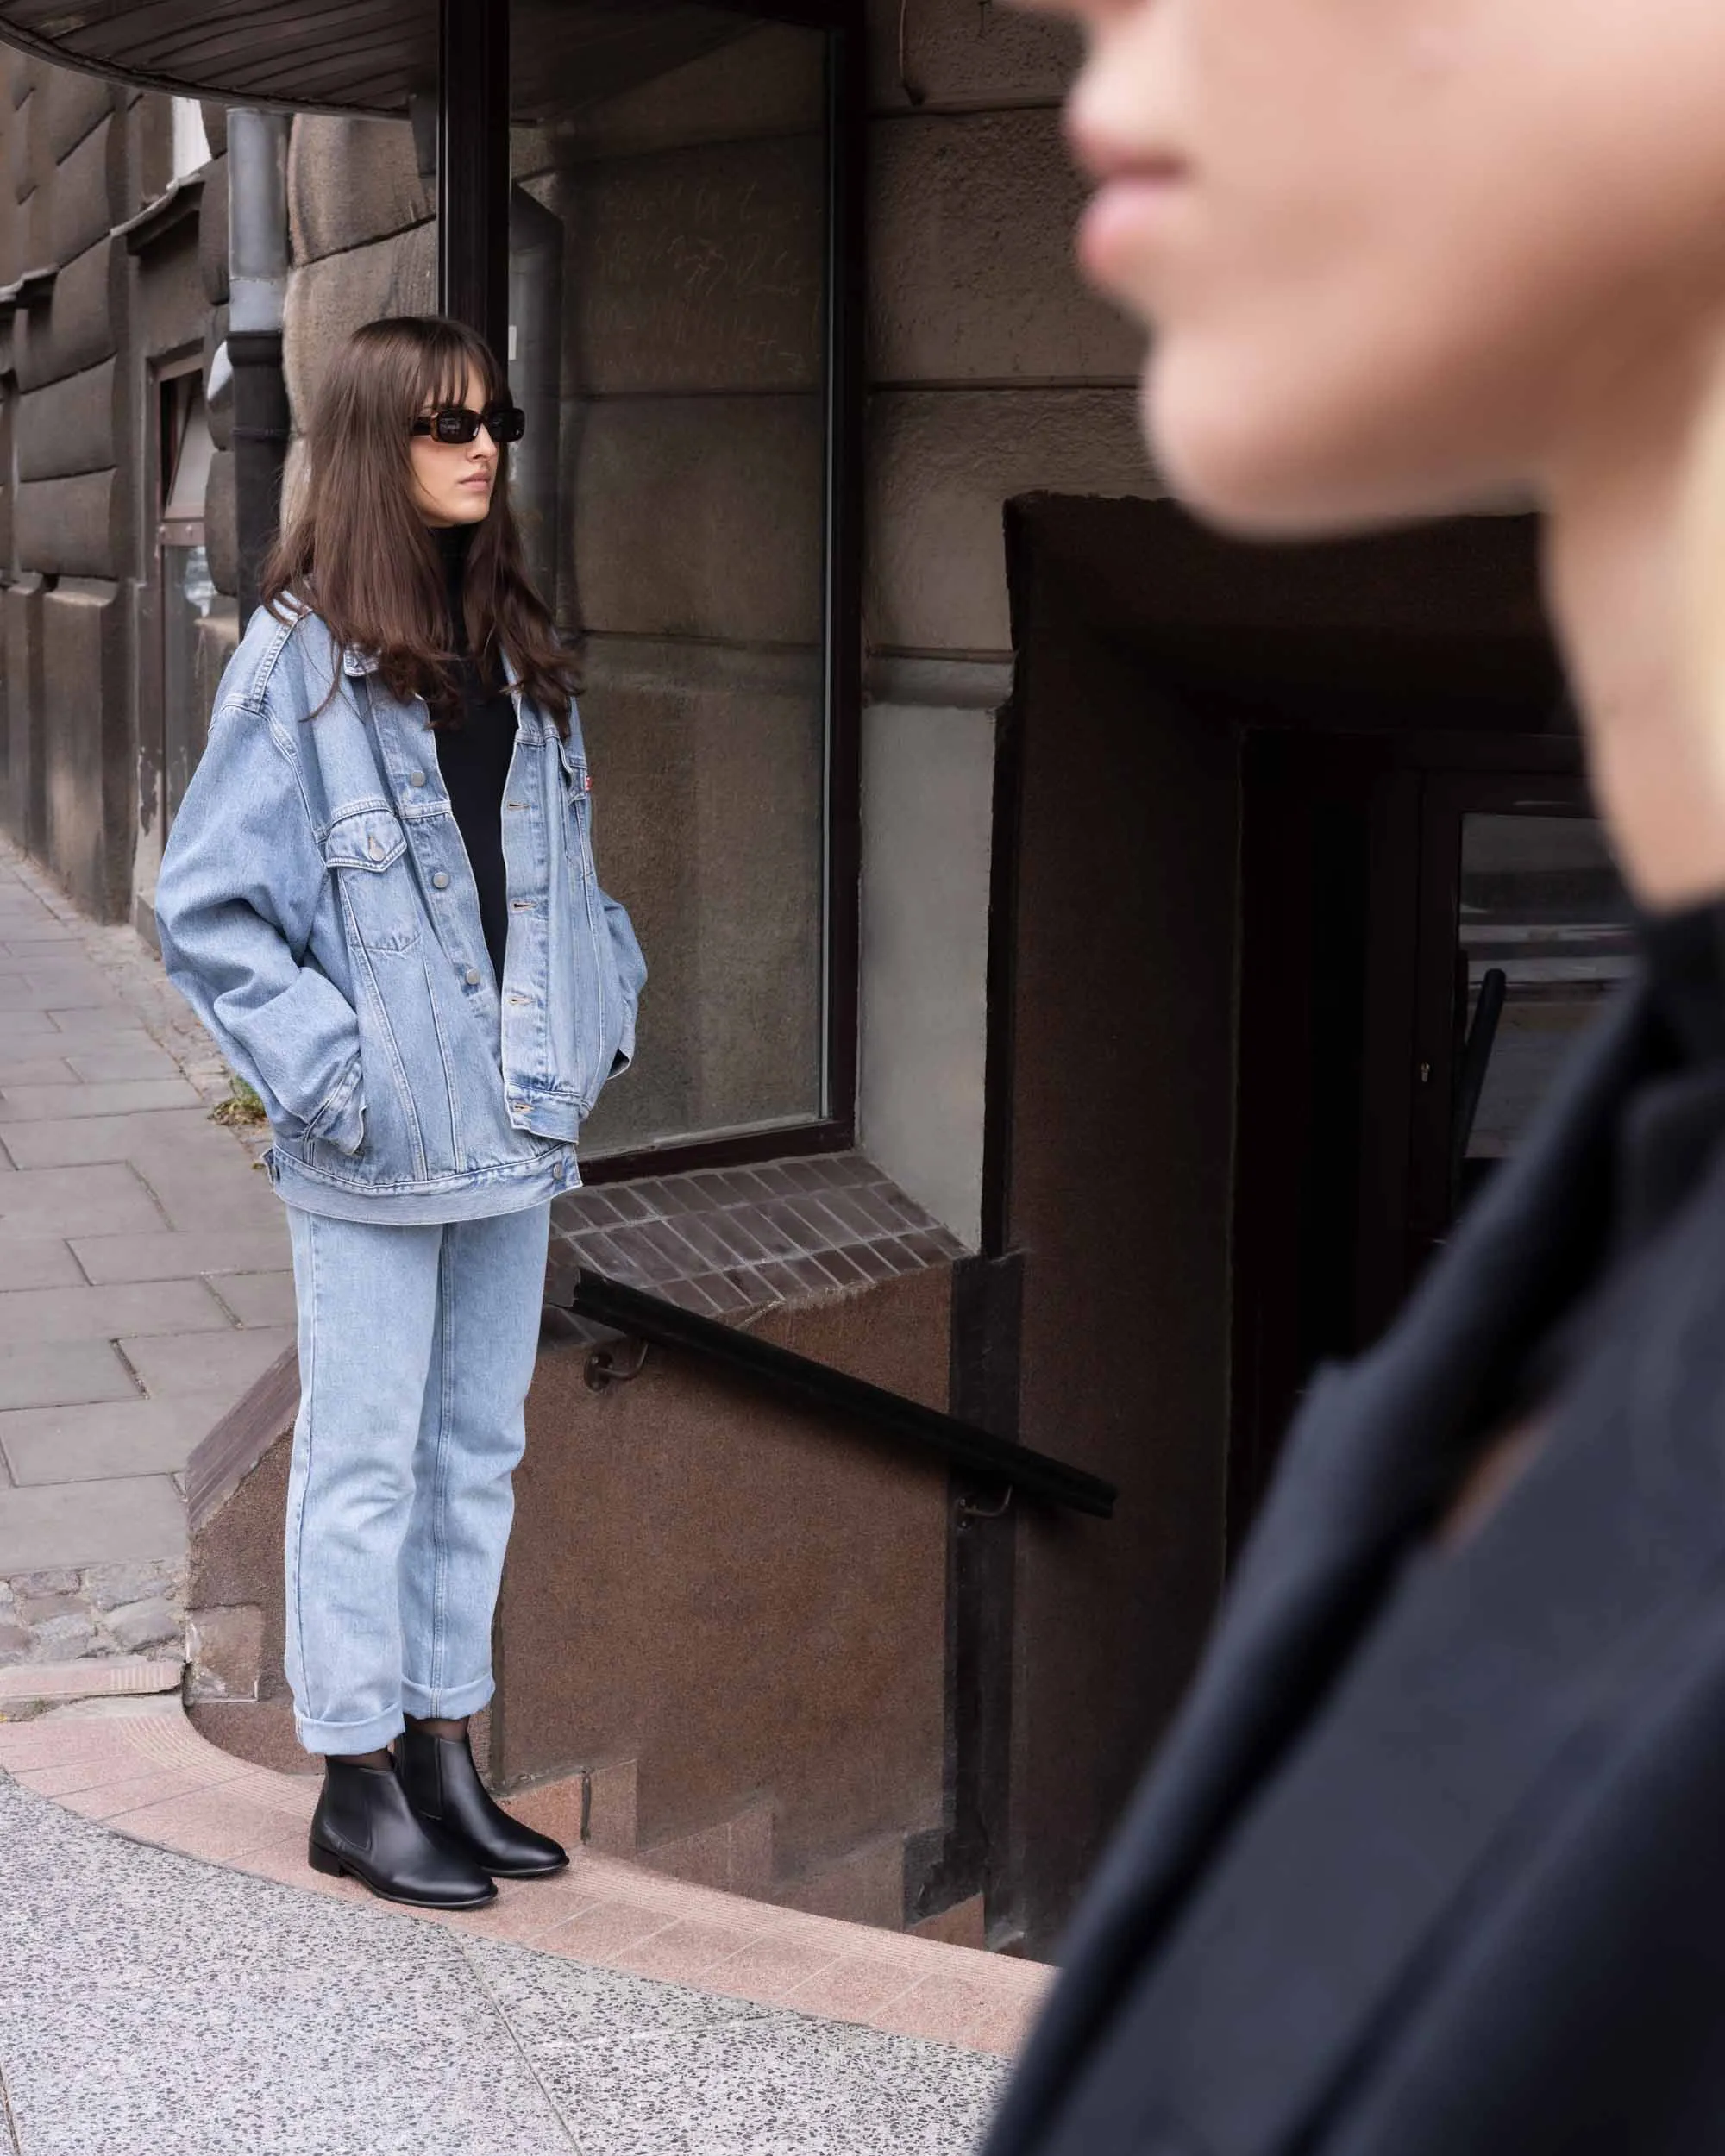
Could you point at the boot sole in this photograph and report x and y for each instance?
(335, 1867)
(539, 1872)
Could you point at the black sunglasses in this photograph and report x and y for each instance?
(459, 422)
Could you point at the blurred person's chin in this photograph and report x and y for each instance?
(1256, 451)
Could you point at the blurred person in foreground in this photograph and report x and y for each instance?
(1434, 1861)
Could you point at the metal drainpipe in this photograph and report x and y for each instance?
(257, 281)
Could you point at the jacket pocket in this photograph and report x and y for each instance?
(366, 852)
(577, 804)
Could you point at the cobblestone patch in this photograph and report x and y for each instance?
(67, 1614)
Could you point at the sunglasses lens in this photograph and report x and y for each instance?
(505, 423)
(455, 424)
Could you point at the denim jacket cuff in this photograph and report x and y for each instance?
(342, 1119)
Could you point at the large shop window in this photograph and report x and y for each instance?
(670, 334)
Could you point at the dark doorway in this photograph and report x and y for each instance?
(1428, 919)
(1256, 800)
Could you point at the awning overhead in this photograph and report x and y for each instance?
(361, 55)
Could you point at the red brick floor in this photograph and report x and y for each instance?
(136, 1764)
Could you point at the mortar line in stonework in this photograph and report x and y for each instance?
(127, 1364)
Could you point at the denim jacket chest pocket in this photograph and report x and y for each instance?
(577, 792)
(365, 851)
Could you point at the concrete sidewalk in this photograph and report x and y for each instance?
(151, 2003)
(144, 1281)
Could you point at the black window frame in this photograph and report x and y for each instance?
(472, 259)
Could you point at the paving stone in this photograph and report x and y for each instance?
(140, 1624)
(109, 1312)
(67, 1202)
(109, 1438)
(764, 2084)
(64, 1375)
(17, 994)
(38, 1070)
(55, 1579)
(165, 1133)
(203, 1196)
(13, 1640)
(33, 1029)
(41, 1104)
(111, 1586)
(38, 1261)
(313, 2026)
(97, 1065)
(206, 1362)
(65, 1638)
(181, 1254)
(258, 1297)
(225, 1652)
(91, 1523)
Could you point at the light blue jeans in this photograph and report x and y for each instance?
(416, 1350)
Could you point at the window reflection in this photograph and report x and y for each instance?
(667, 295)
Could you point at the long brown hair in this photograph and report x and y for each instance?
(355, 551)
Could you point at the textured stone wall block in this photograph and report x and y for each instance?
(942, 466)
(83, 187)
(170, 311)
(958, 53)
(68, 527)
(328, 300)
(221, 535)
(15, 145)
(12, 227)
(212, 233)
(71, 426)
(70, 104)
(87, 744)
(21, 607)
(351, 181)
(698, 269)
(700, 516)
(971, 275)
(74, 327)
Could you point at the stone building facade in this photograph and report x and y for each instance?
(1124, 866)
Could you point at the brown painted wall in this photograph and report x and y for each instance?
(746, 1599)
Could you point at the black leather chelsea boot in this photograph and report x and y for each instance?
(444, 1787)
(364, 1825)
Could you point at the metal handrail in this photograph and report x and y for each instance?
(799, 1378)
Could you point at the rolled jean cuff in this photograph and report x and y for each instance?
(343, 1737)
(449, 1702)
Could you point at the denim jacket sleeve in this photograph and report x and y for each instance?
(240, 883)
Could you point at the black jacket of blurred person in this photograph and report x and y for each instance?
(1433, 1863)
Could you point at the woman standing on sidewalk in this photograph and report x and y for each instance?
(380, 896)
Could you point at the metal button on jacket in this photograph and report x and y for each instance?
(472, 976)
(416, 777)
(441, 879)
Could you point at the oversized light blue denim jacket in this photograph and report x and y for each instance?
(317, 909)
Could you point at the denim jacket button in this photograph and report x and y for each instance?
(416, 777)
(440, 880)
(472, 976)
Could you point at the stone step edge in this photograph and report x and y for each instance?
(43, 1683)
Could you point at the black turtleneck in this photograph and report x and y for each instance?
(475, 746)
